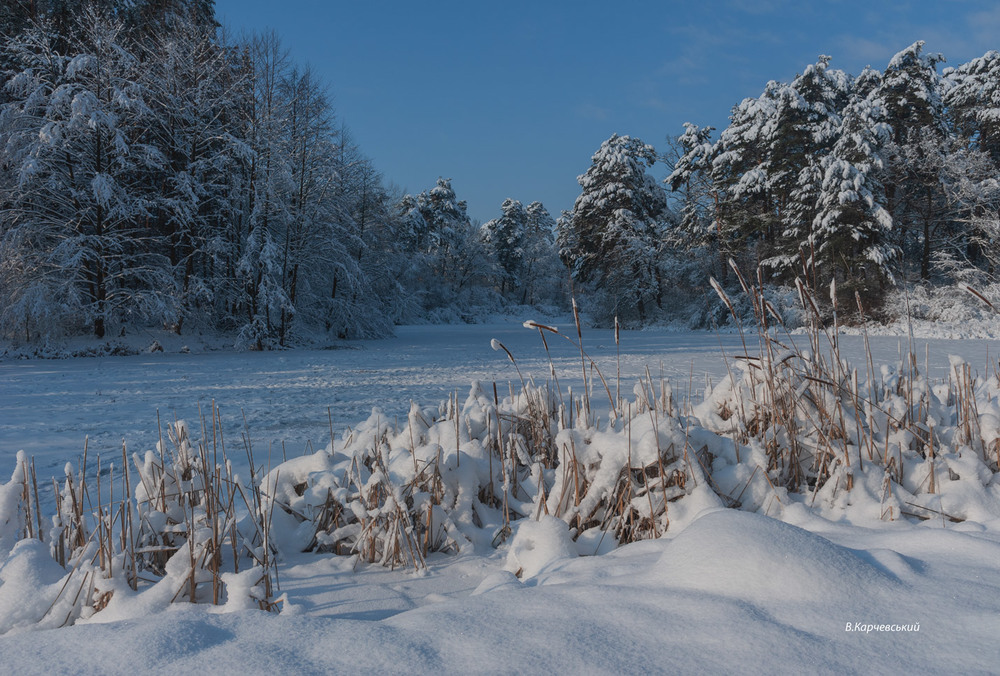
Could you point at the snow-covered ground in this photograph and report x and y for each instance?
(732, 593)
(725, 591)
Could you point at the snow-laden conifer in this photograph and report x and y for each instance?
(616, 226)
(850, 241)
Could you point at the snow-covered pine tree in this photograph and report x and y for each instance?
(867, 81)
(188, 79)
(691, 177)
(266, 185)
(521, 245)
(616, 226)
(445, 216)
(413, 228)
(566, 241)
(808, 117)
(745, 218)
(910, 93)
(504, 239)
(35, 299)
(972, 100)
(851, 233)
(694, 247)
(448, 265)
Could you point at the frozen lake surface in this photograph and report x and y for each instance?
(48, 407)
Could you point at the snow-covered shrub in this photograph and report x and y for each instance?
(963, 309)
(457, 475)
(450, 476)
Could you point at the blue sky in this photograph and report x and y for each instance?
(510, 99)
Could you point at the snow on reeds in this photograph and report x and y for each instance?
(793, 426)
(882, 441)
(177, 525)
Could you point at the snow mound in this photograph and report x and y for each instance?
(500, 580)
(751, 556)
(539, 544)
(29, 582)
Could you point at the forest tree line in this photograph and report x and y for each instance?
(872, 183)
(156, 171)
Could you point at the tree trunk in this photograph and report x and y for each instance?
(925, 259)
(100, 290)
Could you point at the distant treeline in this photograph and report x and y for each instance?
(154, 171)
(872, 182)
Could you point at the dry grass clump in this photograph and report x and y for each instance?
(825, 424)
(175, 522)
(616, 480)
(449, 476)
